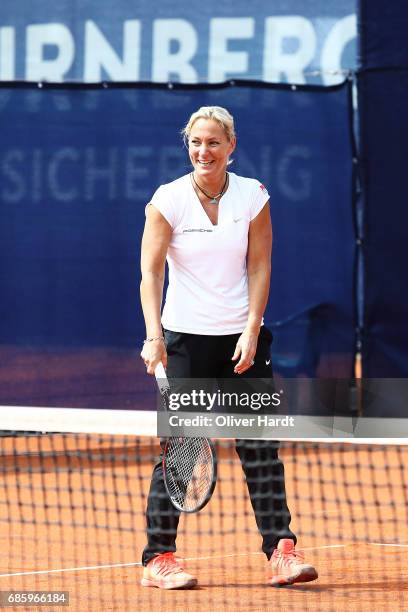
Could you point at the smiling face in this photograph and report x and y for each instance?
(209, 149)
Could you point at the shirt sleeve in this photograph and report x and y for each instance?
(259, 199)
(163, 202)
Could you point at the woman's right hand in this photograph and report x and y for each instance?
(152, 353)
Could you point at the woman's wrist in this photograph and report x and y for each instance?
(154, 339)
(252, 328)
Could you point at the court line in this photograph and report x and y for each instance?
(138, 564)
(207, 558)
(328, 546)
(388, 544)
(70, 569)
(259, 553)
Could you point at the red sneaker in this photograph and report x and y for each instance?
(166, 572)
(287, 566)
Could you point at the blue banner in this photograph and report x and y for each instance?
(177, 41)
(77, 167)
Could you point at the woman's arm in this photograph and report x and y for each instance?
(155, 242)
(259, 274)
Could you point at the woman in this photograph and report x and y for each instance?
(214, 228)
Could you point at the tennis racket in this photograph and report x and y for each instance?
(189, 464)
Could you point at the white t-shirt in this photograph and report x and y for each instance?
(208, 283)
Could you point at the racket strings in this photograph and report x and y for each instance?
(189, 471)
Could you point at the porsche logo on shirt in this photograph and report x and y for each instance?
(198, 229)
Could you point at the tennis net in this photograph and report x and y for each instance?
(72, 519)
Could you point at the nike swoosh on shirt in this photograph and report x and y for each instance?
(267, 362)
(236, 220)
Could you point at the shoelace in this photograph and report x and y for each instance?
(168, 564)
(290, 557)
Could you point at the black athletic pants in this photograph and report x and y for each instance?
(196, 356)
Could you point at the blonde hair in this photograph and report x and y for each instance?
(218, 114)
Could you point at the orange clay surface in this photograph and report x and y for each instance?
(46, 528)
(349, 509)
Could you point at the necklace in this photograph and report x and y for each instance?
(213, 199)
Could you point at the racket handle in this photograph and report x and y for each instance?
(160, 372)
(161, 378)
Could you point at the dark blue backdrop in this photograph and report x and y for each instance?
(77, 167)
(383, 102)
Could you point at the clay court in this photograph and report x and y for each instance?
(72, 519)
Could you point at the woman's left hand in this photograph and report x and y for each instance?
(245, 349)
